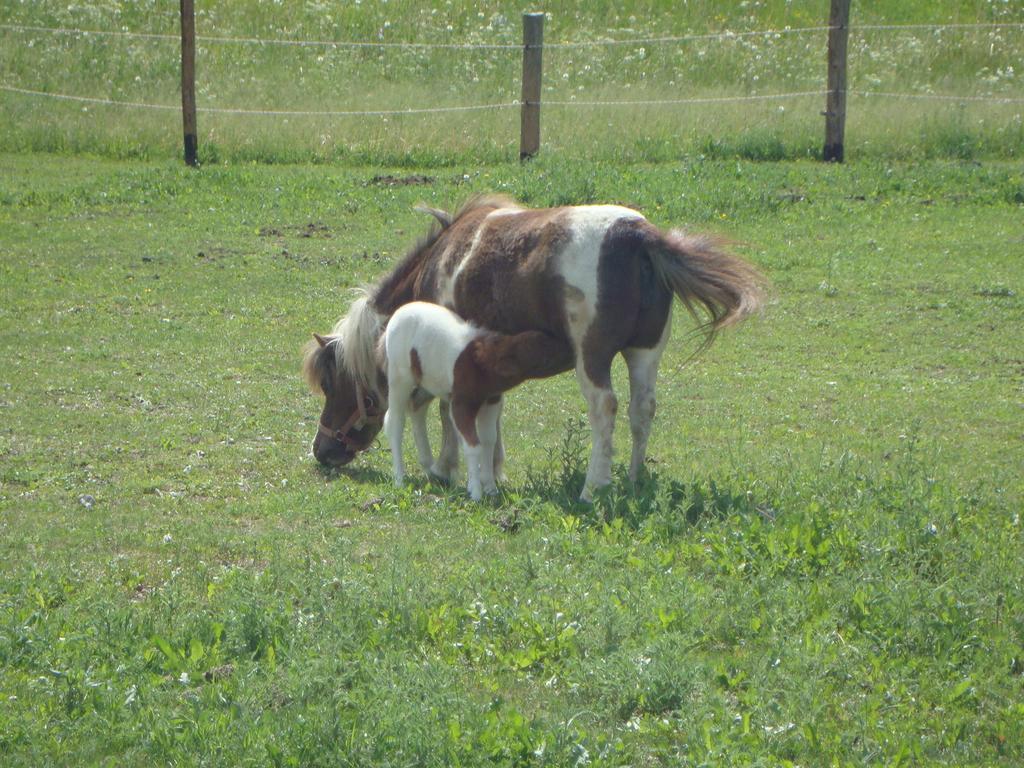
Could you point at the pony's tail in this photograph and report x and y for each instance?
(717, 288)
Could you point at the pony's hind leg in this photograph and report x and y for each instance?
(601, 409)
(643, 372)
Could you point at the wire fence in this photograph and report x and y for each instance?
(723, 35)
(572, 102)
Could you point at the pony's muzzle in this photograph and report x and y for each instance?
(331, 452)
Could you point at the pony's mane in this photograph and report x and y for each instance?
(356, 337)
(314, 366)
(352, 342)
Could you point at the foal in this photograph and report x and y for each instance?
(431, 352)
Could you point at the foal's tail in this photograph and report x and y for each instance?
(716, 287)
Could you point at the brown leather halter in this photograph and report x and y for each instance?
(367, 412)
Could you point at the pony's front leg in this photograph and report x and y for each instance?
(447, 463)
(601, 409)
(488, 430)
(394, 426)
(499, 449)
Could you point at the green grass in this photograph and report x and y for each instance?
(823, 567)
(968, 62)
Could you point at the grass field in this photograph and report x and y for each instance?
(824, 566)
(974, 63)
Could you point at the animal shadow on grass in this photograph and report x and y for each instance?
(674, 504)
(360, 473)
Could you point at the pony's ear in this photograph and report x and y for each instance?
(321, 340)
(443, 217)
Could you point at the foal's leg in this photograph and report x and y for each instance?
(394, 426)
(464, 416)
(601, 409)
(487, 426)
(447, 463)
(643, 371)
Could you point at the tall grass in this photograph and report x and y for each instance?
(319, 78)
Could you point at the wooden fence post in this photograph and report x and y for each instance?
(533, 46)
(188, 81)
(835, 102)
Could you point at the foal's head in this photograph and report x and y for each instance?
(352, 416)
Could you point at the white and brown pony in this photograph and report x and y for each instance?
(430, 352)
(597, 281)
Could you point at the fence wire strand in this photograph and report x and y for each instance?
(502, 105)
(724, 35)
(266, 112)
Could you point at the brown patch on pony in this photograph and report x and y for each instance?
(416, 276)
(632, 303)
(510, 282)
(415, 366)
(494, 363)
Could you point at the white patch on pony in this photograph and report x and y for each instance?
(579, 260)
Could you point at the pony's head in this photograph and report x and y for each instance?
(343, 368)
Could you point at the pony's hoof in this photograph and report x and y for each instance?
(436, 477)
(439, 474)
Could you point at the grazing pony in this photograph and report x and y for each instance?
(429, 351)
(596, 280)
